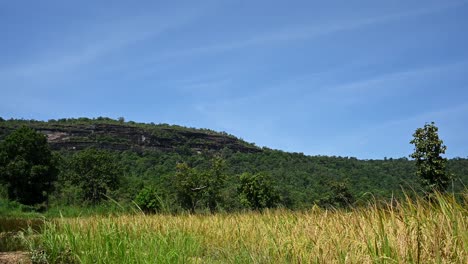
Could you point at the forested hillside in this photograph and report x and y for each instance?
(174, 168)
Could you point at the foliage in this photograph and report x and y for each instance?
(13, 209)
(215, 183)
(257, 191)
(339, 196)
(189, 186)
(149, 200)
(301, 181)
(431, 166)
(96, 172)
(196, 187)
(27, 166)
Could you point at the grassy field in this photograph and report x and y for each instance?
(407, 232)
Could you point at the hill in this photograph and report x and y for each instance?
(149, 154)
(106, 133)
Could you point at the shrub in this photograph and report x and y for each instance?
(148, 200)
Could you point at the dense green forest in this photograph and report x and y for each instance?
(173, 169)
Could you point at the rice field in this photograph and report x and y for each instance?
(408, 232)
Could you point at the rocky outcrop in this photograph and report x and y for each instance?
(127, 137)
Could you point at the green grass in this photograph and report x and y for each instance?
(105, 208)
(413, 231)
(16, 210)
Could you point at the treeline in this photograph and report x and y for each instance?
(196, 181)
(15, 123)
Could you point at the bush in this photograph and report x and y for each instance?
(148, 200)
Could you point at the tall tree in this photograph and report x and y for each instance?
(215, 183)
(96, 172)
(431, 166)
(189, 186)
(27, 166)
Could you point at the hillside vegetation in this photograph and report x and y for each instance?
(147, 157)
(108, 191)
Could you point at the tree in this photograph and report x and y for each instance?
(215, 182)
(189, 186)
(96, 172)
(27, 166)
(194, 187)
(431, 167)
(257, 191)
(339, 196)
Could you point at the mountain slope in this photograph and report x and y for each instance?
(77, 134)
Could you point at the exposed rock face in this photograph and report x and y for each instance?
(127, 137)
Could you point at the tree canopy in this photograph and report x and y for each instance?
(27, 166)
(257, 191)
(96, 172)
(431, 166)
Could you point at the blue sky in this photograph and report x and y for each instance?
(344, 78)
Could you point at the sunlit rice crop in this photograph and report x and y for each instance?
(413, 231)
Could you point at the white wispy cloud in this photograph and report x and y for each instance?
(380, 82)
(397, 132)
(203, 86)
(302, 32)
(306, 88)
(95, 41)
(425, 116)
(312, 105)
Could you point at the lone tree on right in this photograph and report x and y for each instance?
(431, 166)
